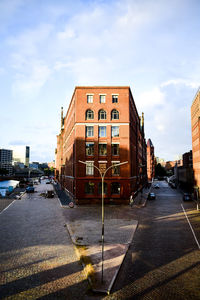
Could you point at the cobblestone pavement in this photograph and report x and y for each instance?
(163, 261)
(4, 203)
(37, 257)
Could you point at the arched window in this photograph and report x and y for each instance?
(102, 114)
(89, 115)
(114, 114)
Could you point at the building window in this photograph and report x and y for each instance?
(102, 114)
(102, 98)
(102, 149)
(89, 115)
(100, 188)
(115, 170)
(89, 131)
(114, 114)
(90, 168)
(89, 149)
(89, 188)
(115, 149)
(89, 98)
(115, 188)
(115, 131)
(102, 131)
(114, 98)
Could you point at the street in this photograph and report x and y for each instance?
(163, 261)
(38, 259)
(37, 256)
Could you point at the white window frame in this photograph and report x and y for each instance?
(102, 98)
(89, 98)
(87, 131)
(101, 127)
(89, 143)
(89, 168)
(116, 97)
(101, 113)
(114, 114)
(89, 112)
(113, 128)
(117, 167)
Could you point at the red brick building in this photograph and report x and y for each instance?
(195, 122)
(150, 160)
(102, 127)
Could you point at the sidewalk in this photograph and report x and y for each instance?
(84, 225)
(85, 228)
(141, 198)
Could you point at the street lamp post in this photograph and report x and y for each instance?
(102, 174)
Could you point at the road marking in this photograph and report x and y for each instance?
(7, 206)
(191, 227)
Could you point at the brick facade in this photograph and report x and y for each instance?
(150, 160)
(101, 127)
(195, 123)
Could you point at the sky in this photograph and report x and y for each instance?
(48, 47)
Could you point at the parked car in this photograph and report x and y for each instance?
(48, 182)
(30, 189)
(151, 196)
(49, 194)
(187, 197)
(156, 186)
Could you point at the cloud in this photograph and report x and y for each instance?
(29, 79)
(151, 99)
(180, 81)
(68, 33)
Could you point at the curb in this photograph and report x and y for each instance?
(81, 253)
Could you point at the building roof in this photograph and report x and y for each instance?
(149, 143)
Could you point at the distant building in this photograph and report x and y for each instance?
(150, 160)
(102, 128)
(34, 165)
(21, 154)
(6, 160)
(51, 164)
(195, 124)
(185, 172)
(187, 160)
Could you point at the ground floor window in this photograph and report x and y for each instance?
(115, 188)
(90, 168)
(102, 149)
(89, 188)
(115, 169)
(100, 188)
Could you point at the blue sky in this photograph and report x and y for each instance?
(49, 47)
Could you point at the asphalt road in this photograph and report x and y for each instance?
(163, 261)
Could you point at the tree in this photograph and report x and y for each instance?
(159, 171)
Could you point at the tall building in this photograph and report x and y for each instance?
(195, 122)
(150, 160)
(21, 154)
(102, 128)
(6, 160)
